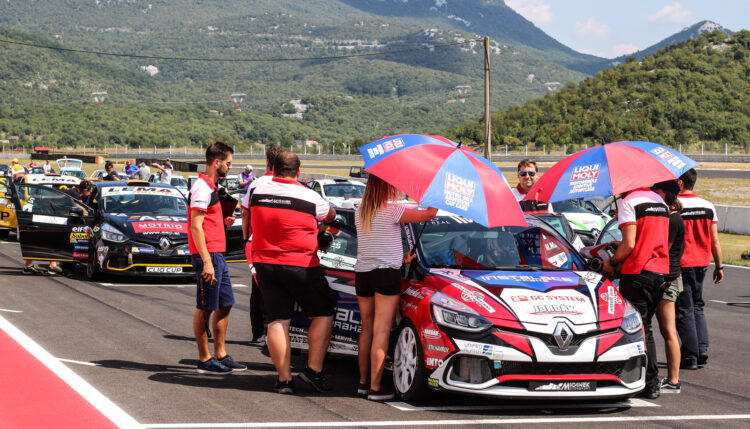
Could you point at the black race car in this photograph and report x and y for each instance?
(134, 228)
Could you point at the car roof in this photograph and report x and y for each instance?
(341, 181)
(134, 183)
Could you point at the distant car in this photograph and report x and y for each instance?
(37, 169)
(231, 182)
(358, 172)
(100, 174)
(338, 191)
(5, 170)
(178, 181)
(71, 167)
(584, 216)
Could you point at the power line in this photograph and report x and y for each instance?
(234, 60)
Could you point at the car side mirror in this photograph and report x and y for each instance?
(76, 212)
(611, 212)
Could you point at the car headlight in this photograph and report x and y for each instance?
(110, 233)
(451, 313)
(631, 321)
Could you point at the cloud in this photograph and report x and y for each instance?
(675, 13)
(536, 11)
(591, 28)
(624, 49)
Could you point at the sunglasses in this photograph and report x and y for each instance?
(524, 173)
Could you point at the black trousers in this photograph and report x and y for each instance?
(644, 291)
(256, 310)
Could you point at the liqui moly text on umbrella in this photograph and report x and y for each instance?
(459, 191)
(584, 178)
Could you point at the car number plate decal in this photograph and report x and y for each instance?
(55, 220)
(167, 270)
(562, 386)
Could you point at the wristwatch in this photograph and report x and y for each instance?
(719, 267)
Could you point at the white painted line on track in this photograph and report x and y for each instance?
(461, 422)
(87, 391)
(162, 285)
(633, 403)
(731, 302)
(10, 311)
(78, 362)
(735, 266)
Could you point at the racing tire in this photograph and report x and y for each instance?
(409, 373)
(92, 271)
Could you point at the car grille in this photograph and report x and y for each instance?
(628, 371)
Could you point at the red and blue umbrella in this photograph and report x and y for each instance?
(609, 169)
(437, 172)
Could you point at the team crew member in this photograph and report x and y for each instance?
(527, 176)
(284, 224)
(643, 252)
(701, 242)
(207, 244)
(16, 169)
(47, 167)
(256, 300)
(130, 169)
(111, 174)
(378, 278)
(665, 312)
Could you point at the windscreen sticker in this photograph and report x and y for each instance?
(54, 180)
(54, 220)
(146, 227)
(161, 218)
(108, 191)
(540, 281)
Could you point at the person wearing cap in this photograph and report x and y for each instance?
(16, 168)
(143, 172)
(165, 172)
(246, 177)
(130, 169)
(111, 174)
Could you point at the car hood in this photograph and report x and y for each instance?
(150, 228)
(536, 297)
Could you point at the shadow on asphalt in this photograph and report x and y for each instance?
(146, 367)
(210, 340)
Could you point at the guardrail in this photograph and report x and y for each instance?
(734, 219)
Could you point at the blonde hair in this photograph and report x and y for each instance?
(377, 194)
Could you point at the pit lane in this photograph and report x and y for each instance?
(134, 345)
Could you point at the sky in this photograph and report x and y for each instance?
(609, 28)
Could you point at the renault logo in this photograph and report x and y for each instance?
(563, 335)
(164, 243)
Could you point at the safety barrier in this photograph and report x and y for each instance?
(734, 219)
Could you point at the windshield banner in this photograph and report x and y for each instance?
(108, 191)
(541, 281)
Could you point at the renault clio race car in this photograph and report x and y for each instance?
(507, 312)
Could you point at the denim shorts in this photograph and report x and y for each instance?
(218, 295)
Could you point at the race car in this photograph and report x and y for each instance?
(100, 174)
(8, 220)
(71, 167)
(178, 181)
(337, 191)
(584, 217)
(506, 312)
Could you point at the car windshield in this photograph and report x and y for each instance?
(454, 242)
(75, 173)
(143, 201)
(569, 206)
(611, 233)
(179, 182)
(344, 190)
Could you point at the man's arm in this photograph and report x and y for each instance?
(716, 253)
(246, 228)
(623, 250)
(199, 239)
(331, 216)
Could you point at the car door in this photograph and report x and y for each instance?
(52, 224)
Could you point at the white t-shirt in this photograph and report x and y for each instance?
(166, 176)
(266, 178)
(381, 246)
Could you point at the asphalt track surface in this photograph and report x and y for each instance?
(126, 346)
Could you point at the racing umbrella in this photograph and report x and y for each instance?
(439, 173)
(609, 169)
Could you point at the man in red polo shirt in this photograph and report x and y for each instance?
(284, 217)
(207, 246)
(701, 242)
(527, 176)
(644, 253)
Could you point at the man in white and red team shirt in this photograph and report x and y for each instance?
(284, 216)
(527, 176)
(207, 242)
(644, 253)
(256, 300)
(701, 242)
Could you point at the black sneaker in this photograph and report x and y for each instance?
(702, 360)
(668, 387)
(316, 380)
(55, 271)
(688, 365)
(650, 393)
(284, 387)
(232, 364)
(363, 388)
(380, 395)
(32, 270)
(213, 366)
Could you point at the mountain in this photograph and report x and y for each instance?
(690, 93)
(687, 33)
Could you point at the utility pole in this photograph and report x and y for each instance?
(487, 136)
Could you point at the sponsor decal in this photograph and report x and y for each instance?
(146, 250)
(432, 334)
(145, 227)
(4, 215)
(435, 362)
(637, 349)
(410, 305)
(164, 270)
(335, 262)
(482, 350)
(183, 252)
(80, 255)
(347, 320)
(612, 299)
(668, 157)
(497, 364)
(139, 190)
(459, 191)
(562, 386)
(473, 296)
(392, 145)
(433, 382)
(584, 178)
(54, 180)
(413, 293)
(376, 150)
(440, 349)
(80, 248)
(554, 309)
(54, 220)
(537, 281)
(101, 254)
(80, 237)
(157, 218)
(519, 298)
(80, 229)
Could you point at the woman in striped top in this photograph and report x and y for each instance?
(378, 277)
